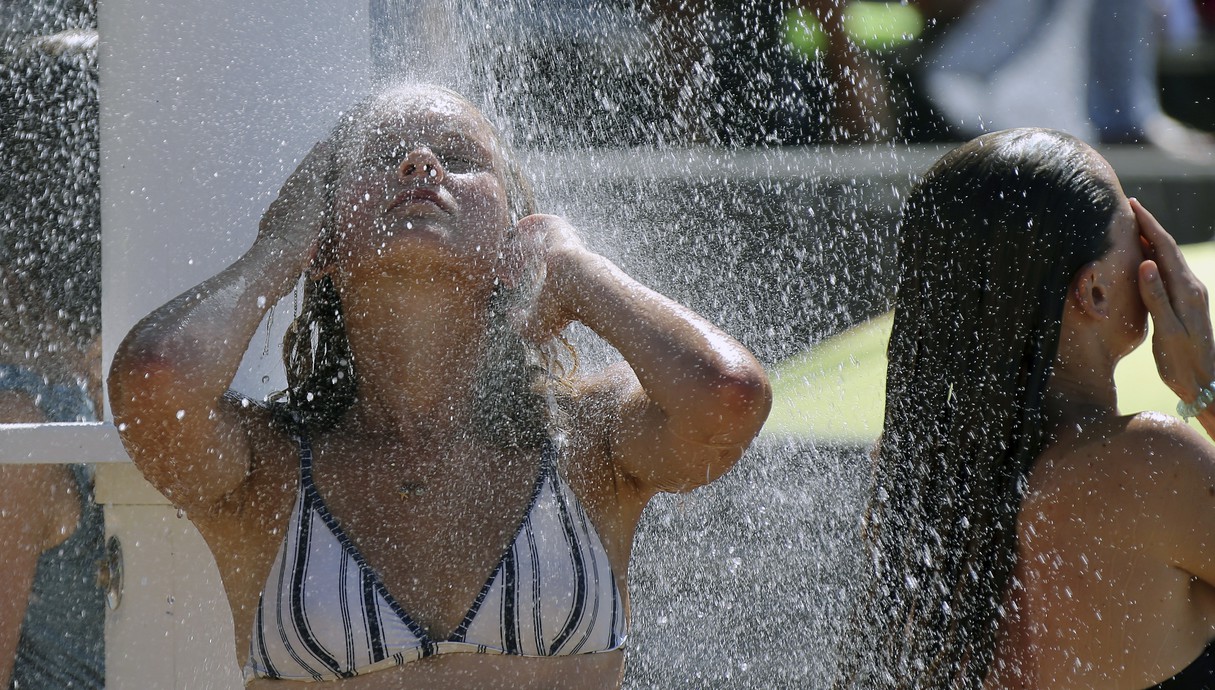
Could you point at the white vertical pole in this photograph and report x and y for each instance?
(205, 109)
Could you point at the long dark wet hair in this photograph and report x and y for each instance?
(321, 370)
(990, 240)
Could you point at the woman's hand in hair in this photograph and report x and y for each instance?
(559, 245)
(687, 400)
(1178, 302)
(292, 225)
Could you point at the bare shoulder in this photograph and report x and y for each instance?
(41, 500)
(609, 385)
(1145, 471)
(1159, 451)
(272, 440)
(1140, 445)
(18, 407)
(595, 402)
(39, 504)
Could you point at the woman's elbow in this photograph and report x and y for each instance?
(137, 380)
(740, 402)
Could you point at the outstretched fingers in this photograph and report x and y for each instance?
(1185, 291)
(1178, 302)
(1156, 298)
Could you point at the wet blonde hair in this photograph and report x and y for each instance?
(511, 405)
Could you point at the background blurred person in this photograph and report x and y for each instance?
(1085, 66)
(51, 534)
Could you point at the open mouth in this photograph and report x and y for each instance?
(419, 195)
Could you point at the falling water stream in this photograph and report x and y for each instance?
(690, 142)
(633, 124)
(743, 583)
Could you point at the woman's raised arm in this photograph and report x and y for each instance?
(1182, 339)
(1185, 358)
(692, 398)
(169, 376)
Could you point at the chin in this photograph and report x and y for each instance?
(413, 235)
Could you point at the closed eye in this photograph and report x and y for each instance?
(461, 162)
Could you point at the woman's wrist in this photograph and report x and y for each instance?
(273, 263)
(572, 272)
(1199, 402)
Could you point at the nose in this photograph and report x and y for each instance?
(421, 166)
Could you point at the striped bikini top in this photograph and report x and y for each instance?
(324, 614)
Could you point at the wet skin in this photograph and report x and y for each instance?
(1115, 581)
(424, 183)
(39, 510)
(422, 235)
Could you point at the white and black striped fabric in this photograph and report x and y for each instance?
(324, 614)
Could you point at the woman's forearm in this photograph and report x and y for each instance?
(709, 386)
(201, 335)
(169, 376)
(193, 345)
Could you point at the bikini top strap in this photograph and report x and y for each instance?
(549, 454)
(550, 459)
(305, 452)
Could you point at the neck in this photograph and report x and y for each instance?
(1081, 389)
(417, 349)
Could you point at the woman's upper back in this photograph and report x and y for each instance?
(1116, 559)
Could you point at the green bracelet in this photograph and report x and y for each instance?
(1205, 397)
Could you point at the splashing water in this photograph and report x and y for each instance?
(631, 121)
(627, 128)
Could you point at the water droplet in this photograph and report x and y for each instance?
(265, 379)
(181, 414)
(261, 301)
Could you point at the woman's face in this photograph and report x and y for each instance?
(421, 188)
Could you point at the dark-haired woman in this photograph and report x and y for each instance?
(1024, 533)
(432, 504)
